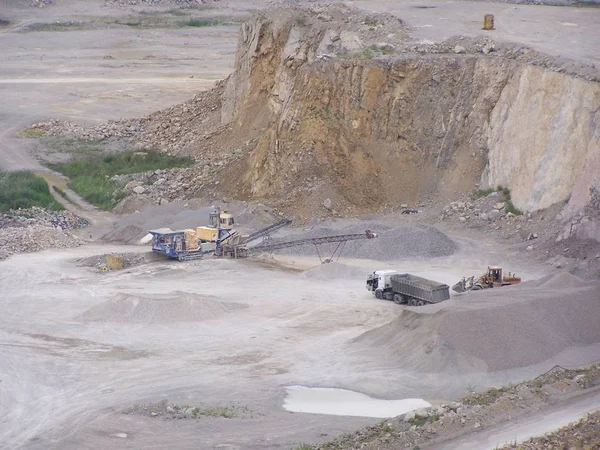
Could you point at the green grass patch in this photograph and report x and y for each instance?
(510, 208)
(91, 177)
(488, 397)
(32, 133)
(24, 190)
(482, 192)
(371, 21)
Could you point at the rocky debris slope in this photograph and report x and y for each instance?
(475, 412)
(34, 238)
(64, 220)
(584, 434)
(551, 236)
(35, 229)
(334, 103)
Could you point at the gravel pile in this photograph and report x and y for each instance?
(490, 331)
(19, 218)
(99, 261)
(392, 244)
(172, 308)
(34, 238)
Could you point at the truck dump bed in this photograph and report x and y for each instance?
(420, 288)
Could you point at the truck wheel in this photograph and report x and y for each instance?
(420, 303)
(378, 294)
(398, 299)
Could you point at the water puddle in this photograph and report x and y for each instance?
(340, 402)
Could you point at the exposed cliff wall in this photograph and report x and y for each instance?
(367, 131)
(544, 139)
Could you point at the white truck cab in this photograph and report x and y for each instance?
(379, 282)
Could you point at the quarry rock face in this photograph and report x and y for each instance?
(380, 129)
(544, 139)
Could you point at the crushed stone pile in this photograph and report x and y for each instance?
(172, 308)
(34, 238)
(490, 331)
(334, 271)
(64, 220)
(414, 241)
(99, 261)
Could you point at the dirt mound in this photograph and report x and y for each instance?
(562, 280)
(171, 308)
(488, 331)
(415, 241)
(334, 271)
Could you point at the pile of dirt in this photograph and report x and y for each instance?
(34, 238)
(172, 308)
(334, 271)
(492, 330)
(391, 244)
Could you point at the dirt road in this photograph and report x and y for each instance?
(538, 424)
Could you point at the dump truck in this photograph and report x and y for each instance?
(405, 288)
(494, 277)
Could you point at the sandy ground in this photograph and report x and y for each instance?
(66, 374)
(69, 367)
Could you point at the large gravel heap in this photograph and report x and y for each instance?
(492, 330)
(172, 308)
(392, 244)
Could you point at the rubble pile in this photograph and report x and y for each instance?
(99, 261)
(35, 229)
(41, 3)
(561, 242)
(172, 411)
(34, 238)
(19, 218)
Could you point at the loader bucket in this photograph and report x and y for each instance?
(459, 287)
